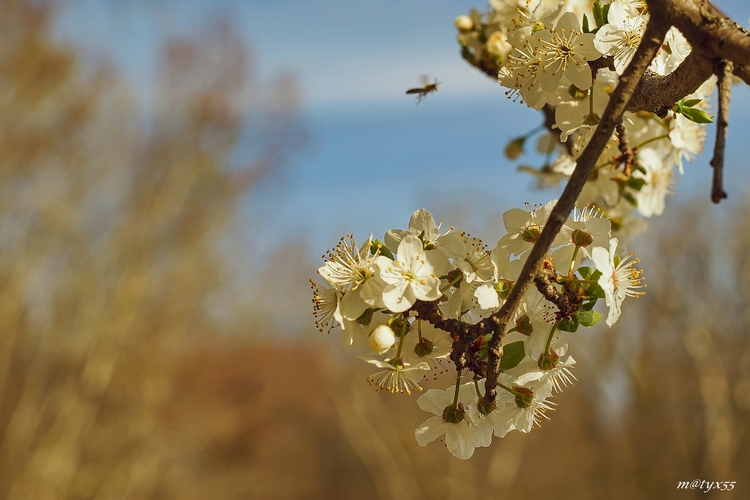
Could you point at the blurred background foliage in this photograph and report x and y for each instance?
(137, 360)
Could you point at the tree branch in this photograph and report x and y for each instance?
(657, 93)
(652, 40)
(724, 73)
(705, 27)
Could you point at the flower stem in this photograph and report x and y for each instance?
(574, 280)
(448, 285)
(653, 139)
(402, 335)
(458, 386)
(510, 390)
(549, 338)
(573, 261)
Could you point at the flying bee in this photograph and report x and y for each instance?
(427, 88)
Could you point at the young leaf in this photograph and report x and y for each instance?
(376, 245)
(584, 272)
(600, 13)
(589, 318)
(636, 183)
(697, 115)
(568, 325)
(513, 354)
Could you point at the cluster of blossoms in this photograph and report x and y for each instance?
(423, 300)
(405, 304)
(566, 57)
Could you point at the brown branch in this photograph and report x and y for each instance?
(627, 155)
(724, 73)
(657, 93)
(705, 27)
(652, 40)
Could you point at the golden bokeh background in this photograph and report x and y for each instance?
(134, 363)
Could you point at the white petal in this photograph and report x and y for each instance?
(460, 440)
(435, 401)
(579, 75)
(430, 430)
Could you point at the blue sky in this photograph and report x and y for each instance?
(374, 156)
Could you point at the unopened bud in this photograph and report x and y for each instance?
(497, 44)
(514, 149)
(464, 23)
(382, 338)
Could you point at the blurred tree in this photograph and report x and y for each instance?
(110, 229)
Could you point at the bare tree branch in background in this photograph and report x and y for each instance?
(110, 245)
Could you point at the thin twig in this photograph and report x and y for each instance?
(627, 155)
(724, 74)
(652, 40)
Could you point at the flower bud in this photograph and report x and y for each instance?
(514, 149)
(464, 23)
(454, 414)
(497, 44)
(382, 338)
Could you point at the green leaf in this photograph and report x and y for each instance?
(587, 306)
(366, 317)
(593, 288)
(568, 325)
(376, 245)
(690, 102)
(468, 55)
(586, 24)
(630, 199)
(589, 318)
(601, 13)
(697, 115)
(513, 354)
(636, 183)
(585, 272)
(596, 290)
